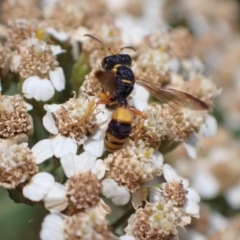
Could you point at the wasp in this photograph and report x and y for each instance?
(117, 78)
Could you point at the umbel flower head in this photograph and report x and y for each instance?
(86, 225)
(35, 62)
(14, 118)
(17, 164)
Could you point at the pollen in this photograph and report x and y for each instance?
(14, 117)
(83, 192)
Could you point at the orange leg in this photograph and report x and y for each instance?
(137, 112)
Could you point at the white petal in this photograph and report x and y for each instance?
(63, 145)
(57, 78)
(192, 208)
(29, 86)
(190, 144)
(209, 128)
(49, 123)
(170, 174)
(102, 115)
(98, 135)
(122, 196)
(233, 196)
(95, 147)
(52, 107)
(139, 196)
(15, 62)
(56, 49)
(40, 89)
(85, 162)
(44, 90)
(193, 195)
(42, 150)
(118, 194)
(127, 237)
(99, 169)
(59, 35)
(68, 163)
(157, 159)
(39, 186)
(56, 200)
(52, 228)
(205, 184)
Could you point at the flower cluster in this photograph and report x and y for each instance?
(134, 192)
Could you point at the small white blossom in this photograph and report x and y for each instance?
(39, 186)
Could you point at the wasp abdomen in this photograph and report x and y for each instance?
(119, 129)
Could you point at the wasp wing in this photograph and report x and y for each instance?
(174, 98)
(107, 80)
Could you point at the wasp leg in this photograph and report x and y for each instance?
(137, 112)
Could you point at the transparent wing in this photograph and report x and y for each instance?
(174, 98)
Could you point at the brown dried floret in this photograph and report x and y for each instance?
(75, 119)
(181, 43)
(17, 164)
(70, 14)
(155, 221)
(13, 10)
(91, 86)
(175, 191)
(90, 224)
(132, 166)
(227, 171)
(83, 192)
(14, 117)
(33, 61)
(19, 31)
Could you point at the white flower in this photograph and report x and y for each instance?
(57, 146)
(232, 196)
(74, 164)
(43, 89)
(39, 186)
(52, 228)
(76, 109)
(191, 206)
(190, 144)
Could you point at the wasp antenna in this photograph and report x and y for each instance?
(96, 39)
(127, 47)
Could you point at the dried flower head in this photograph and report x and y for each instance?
(14, 117)
(85, 225)
(181, 43)
(156, 126)
(19, 31)
(83, 192)
(155, 221)
(133, 166)
(75, 118)
(17, 164)
(91, 86)
(13, 10)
